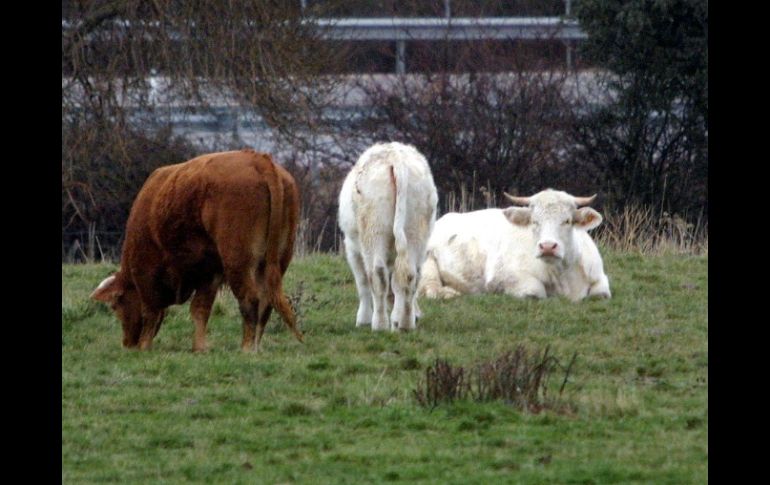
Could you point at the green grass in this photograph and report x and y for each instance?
(339, 408)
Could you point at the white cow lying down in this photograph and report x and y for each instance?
(387, 210)
(536, 251)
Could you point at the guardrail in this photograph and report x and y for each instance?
(401, 29)
(453, 28)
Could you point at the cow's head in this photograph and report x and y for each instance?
(123, 298)
(553, 217)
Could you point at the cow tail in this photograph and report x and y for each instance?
(400, 178)
(273, 273)
(275, 223)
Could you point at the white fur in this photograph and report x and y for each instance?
(496, 251)
(386, 231)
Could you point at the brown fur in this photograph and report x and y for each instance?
(229, 216)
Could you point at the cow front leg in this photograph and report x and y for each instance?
(601, 288)
(527, 288)
(151, 321)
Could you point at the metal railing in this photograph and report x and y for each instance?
(453, 28)
(403, 29)
(400, 30)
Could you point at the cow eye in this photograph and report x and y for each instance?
(566, 221)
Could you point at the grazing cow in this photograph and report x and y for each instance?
(536, 251)
(387, 209)
(229, 216)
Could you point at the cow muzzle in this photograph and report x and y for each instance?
(548, 249)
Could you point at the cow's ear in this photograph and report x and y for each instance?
(587, 218)
(518, 216)
(108, 290)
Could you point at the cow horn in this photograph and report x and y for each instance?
(517, 200)
(584, 200)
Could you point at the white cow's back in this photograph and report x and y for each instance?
(367, 199)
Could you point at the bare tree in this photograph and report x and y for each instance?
(128, 65)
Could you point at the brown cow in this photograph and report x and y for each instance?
(229, 216)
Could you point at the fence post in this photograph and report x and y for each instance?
(400, 56)
(568, 43)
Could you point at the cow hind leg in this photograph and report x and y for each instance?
(379, 279)
(243, 284)
(281, 304)
(263, 323)
(249, 309)
(254, 298)
(430, 285)
(356, 262)
(404, 284)
(403, 316)
(200, 310)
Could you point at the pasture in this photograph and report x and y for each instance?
(340, 408)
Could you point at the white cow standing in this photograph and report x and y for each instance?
(536, 251)
(387, 210)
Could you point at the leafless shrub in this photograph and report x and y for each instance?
(299, 299)
(443, 383)
(518, 378)
(470, 199)
(641, 230)
(501, 130)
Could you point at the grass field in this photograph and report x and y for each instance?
(339, 408)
